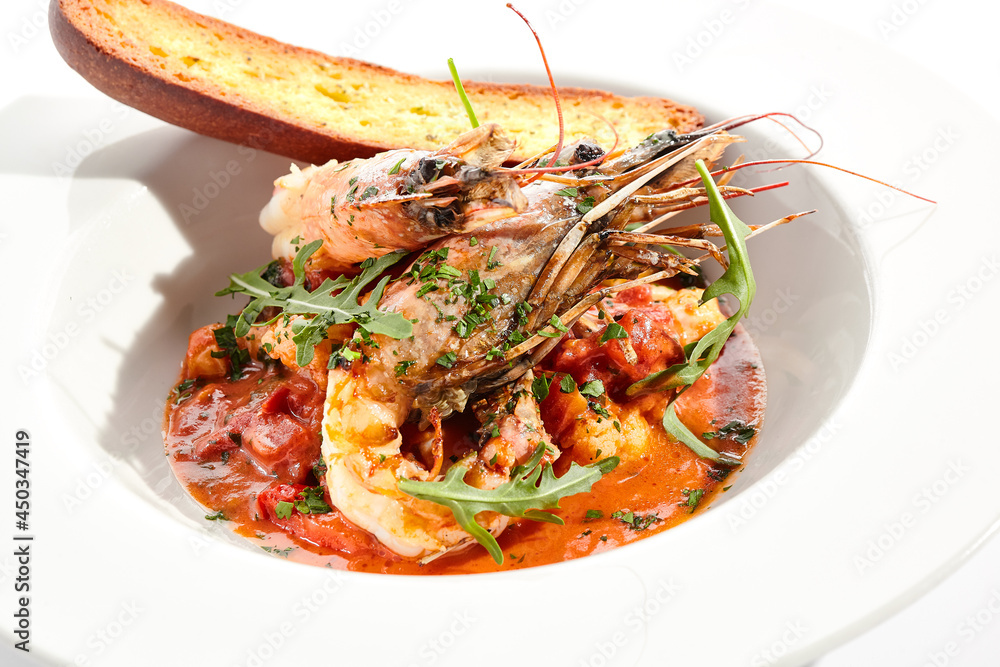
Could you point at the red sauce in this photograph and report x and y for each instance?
(242, 447)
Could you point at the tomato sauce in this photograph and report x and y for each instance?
(245, 447)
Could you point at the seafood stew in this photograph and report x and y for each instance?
(518, 363)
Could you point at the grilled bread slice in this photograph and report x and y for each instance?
(226, 82)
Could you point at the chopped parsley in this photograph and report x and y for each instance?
(311, 501)
(635, 521)
(447, 359)
(490, 263)
(556, 323)
(740, 432)
(540, 387)
(182, 391)
(614, 330)
(693, 498)
(599, 409)
(395, 167)
(225, 338)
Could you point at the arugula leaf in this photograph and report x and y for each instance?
(328, 309)
(738, 280)
(532, 488)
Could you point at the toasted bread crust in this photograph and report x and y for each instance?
(189, 70)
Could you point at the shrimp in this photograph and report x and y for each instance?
(486, 306)
(397, 200)
(366, 454)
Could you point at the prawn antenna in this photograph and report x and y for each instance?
(552, 83)
(755, 163)
(733, 123)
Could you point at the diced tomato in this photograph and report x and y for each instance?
(330, 530)
(199, 361)
(639, 295)
(561, 410)
(654, 349)
(277, 424)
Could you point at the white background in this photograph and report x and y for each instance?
(955, 40)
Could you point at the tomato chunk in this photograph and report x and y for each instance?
(330, 530)
(619, 362)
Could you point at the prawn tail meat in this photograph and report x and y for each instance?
(366, 454)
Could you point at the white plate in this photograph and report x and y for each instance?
(867, 487)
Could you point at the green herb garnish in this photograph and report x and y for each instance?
(395, 167)
(693, 498)
(740, 431)
(447, 359)
(461, 93)
(328, 309)
(310, 501)
(585, 206)
(283, 509)
(613, 331)
(559, 327)
(532, 488)
(540, 387)
(225, 338)
(634, 521)
(490, 262)
(182, 391)
(738, 280)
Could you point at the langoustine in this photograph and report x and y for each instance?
(486, 307)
